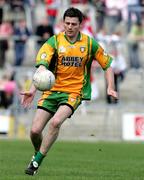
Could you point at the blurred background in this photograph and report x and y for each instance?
(119, 28)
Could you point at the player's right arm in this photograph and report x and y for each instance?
(28, 96)
(43, 60)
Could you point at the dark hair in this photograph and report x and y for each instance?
(73, 12)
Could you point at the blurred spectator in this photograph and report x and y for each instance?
(30, 6)
(1, 14)
(52, 7)
(133, 9)
(79, 1)
(2, 2)
(113, 14)
(17, 5)
(87, 27)
(100, 8)
(135, 36)
(6, 31)
(7, 89)
(16, 10)
(142, 3)
(103, 38)
(29, 2)
(43, 32)
(21, 35)
(58, 26)
(142, 7)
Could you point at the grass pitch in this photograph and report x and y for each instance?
(74, 161)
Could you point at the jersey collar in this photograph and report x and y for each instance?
(79, 38)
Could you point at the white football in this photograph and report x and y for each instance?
(43, 80)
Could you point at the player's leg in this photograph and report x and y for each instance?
(40, 120)
(55, 123)
(67, 104)
(49, 138)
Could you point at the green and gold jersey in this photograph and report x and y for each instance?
(73, 62)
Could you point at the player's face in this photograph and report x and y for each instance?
(71, 26)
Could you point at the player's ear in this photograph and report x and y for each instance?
(81, 25)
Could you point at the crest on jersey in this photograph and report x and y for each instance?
(82, 48)
(43, 55)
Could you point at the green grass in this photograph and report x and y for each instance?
(74, 161)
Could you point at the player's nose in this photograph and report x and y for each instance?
(70, 26)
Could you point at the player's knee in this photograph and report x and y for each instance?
(55, 122)
(35, 131)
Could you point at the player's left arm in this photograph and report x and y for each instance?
(110, 82)
(105, 61)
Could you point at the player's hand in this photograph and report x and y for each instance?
(27, 98)
(112, 93)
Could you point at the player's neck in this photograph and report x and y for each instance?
(72, 39)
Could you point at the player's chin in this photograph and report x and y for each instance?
(70, 34)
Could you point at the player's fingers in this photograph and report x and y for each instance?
(113, 94)
(26, 104)
(22, 93)
(25, 93)
(23, 100)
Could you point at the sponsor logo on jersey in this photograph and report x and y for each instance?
(72, 61)
(71, 46)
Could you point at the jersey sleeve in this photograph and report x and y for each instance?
(46, 52)
(101, 57)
